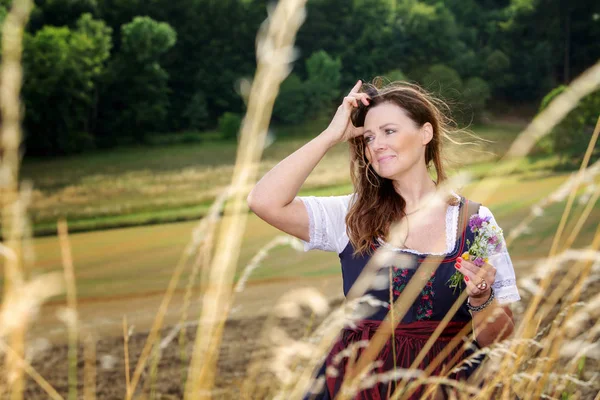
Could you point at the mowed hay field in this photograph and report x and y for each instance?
(137, 186)
(124, 272)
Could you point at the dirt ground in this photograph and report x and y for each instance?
(49, 353)
(240, 343)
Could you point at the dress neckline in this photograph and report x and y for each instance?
(452, 222)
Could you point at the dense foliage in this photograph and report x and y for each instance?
(100, 73)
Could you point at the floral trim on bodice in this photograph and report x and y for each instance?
(400, 278)
(425, 305)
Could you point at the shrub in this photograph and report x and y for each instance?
(229, 125)
(290, 105)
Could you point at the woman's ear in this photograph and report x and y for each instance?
(427, 132)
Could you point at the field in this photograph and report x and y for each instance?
(139, 186)
(124, 271)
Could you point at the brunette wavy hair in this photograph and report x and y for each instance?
(376, 204)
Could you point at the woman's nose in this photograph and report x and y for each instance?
(379, 143)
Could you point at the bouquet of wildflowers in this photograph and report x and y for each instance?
(488, 240)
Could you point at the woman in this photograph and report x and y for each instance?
(395, 135)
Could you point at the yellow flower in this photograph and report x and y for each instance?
(485, 259)
(465, 255)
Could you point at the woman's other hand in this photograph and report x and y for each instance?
(474, 277)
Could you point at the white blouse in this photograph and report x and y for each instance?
(327, 231)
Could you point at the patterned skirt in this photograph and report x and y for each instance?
(385, 372)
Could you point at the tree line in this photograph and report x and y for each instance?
(100, 73)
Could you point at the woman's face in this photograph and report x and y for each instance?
(393, 142)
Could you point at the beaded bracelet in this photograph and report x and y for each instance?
(484, 305)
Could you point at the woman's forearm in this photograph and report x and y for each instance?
(282, 183)
(492, 324)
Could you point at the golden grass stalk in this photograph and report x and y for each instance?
(274, 53)
(89, 366)
(12, 207)
(126, 353)
(72, 324)
(202, 259)
(156, 355)
(261, 254)
(203, 239)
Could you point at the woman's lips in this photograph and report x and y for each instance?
(384, 159)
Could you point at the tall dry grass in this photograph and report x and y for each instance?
(556, 329)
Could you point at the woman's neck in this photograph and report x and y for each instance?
(414, 189)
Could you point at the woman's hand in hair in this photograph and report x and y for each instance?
(340, 128)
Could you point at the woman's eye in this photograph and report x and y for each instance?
(368, 139)
(389, 131)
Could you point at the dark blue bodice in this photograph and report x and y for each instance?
(435, 299)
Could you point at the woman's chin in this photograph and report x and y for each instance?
(388, 173)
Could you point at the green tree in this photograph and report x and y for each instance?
(62, 68)
(323, 79)
(136, 95)
(444, 82)
(497, 70)
(432, 33)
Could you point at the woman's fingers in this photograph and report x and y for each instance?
(363, 97)
(351, 100)
(354, 92)
(473, 275)
(486, 271)
(356, 87)
(472, 289)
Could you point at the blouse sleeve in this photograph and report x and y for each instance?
(505, 286)
(327, 222)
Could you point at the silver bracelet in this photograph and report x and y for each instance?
(484, 305)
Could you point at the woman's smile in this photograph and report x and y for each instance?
(385, 159)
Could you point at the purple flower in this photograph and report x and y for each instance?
(493, 240)
(476, 222)
(479, 261)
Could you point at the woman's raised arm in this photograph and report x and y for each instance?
(273, 198)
